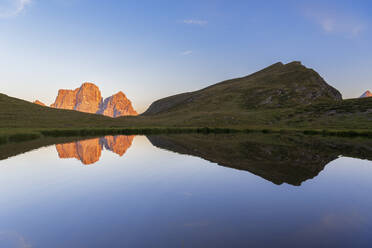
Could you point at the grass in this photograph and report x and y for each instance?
(18, 137)
(12, 135)
(340, 133)
(227, 107)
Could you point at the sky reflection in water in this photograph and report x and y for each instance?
(151, 197)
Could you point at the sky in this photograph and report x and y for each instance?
(153, 49)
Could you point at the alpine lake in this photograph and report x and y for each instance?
(187, 190)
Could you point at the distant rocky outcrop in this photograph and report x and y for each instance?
(66, 99)
(39, 103)
(88, 99)
(366, 94)
(117, 105)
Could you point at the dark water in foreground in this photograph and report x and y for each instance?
(234, 191)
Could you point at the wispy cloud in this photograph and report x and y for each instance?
(13, 239)
(336, 22)
(187, 52)
(195, 22)
(11, 8)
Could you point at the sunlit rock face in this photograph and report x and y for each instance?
(66, 99)
(88, 99)
(117, 105)
(39, 103)
(117, 144)
(366, 94)
(89, 151)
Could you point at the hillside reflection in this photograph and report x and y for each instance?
(89, 151)
(290, 159)
(278, 158)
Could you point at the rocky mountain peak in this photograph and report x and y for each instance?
(117, 105)
(366, 94)
(120, 93)
(87, 98)
(39, 103)
(66, 99)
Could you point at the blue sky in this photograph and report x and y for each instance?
(152, 49)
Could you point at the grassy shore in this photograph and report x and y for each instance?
(21, 120)
(19, 135)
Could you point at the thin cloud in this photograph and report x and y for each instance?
(195, 22)
(186, 53)
(13, 8)
(13, 239)
(335, 22)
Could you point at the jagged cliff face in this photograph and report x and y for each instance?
(39, 103)
(88, 99)
(89, 151)
(366, 94)
(117, 105)
(66, 99)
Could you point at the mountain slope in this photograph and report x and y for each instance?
(22, 114)
(277, 86)
(280, 96)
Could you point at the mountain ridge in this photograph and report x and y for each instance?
(87, 98)
(366, 94)
(281, 96)
(276, 86)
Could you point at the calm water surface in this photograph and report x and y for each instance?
(188, 191)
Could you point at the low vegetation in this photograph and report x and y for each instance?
(280, 98)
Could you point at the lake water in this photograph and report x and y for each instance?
(189, 191)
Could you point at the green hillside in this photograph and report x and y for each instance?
(277, 86)
(282, 96)
(17, 113)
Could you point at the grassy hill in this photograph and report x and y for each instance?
(17, 113)
(277, 86)
(288, 96)
(281, 95)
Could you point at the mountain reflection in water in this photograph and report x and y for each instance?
(278, 158)
(89, 151)
(290, 159)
